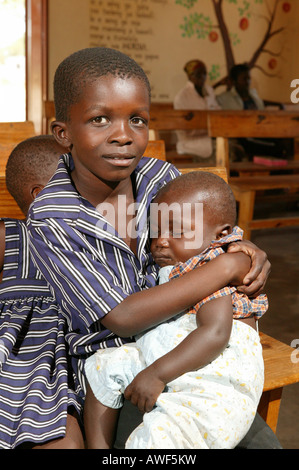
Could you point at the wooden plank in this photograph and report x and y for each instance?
(274, 222)
(280, 367)
(49, 110)
(235, 124)
(269, 407)
(16, 131)
(246, 183)
(12, 133)
(245, 168)
(8, 206)
(155, 149)
(168, 118)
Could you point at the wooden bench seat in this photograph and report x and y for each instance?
(280, 370)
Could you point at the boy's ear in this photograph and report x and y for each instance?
(223, 231)
(35, 190)
(60, 132)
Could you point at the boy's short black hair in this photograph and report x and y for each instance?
(32, 161)
(85, 66)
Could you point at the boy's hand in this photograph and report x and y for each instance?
(144, 390)
(254, 282)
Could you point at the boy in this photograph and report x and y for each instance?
(100, 279)
(209, 366)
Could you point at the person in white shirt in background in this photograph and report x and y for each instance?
(242, 96)
(197, 95)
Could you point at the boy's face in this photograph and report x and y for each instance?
(108, 129)
(183, 233)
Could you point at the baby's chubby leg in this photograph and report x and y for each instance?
(100, 422)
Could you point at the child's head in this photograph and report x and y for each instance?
(102, 101)
(30, 166)
(86, 66)
(199, 207)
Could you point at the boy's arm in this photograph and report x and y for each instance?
(148, 308)
(255, 280)
(198, 349)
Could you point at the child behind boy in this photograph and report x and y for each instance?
(36, 400)
(202, 369)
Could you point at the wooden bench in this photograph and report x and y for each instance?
(224, 125)
(280, 370)
(251, 168)
(8, 206)
(11, 134)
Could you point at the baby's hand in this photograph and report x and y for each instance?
(144, 390)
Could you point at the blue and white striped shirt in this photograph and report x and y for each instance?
(89, 268)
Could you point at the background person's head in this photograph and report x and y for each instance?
(169, 244)
(30, 166)
(196, 72)
(240, 78)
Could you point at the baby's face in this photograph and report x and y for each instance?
(179, 230)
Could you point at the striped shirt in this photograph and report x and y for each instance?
(35, 386)
(243, 306)
(88, 266)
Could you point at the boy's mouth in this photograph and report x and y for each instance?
(119, 160)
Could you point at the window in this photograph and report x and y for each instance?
(12, 60)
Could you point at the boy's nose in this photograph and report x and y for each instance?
(121, 133)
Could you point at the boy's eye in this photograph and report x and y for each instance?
(100, 120)
(138, 121)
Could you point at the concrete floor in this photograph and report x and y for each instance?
(282, 319)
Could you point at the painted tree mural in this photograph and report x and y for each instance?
(214, 29)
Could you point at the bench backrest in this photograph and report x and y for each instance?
(165, 117)
(11, 134)
(224, 125)
(156, 149)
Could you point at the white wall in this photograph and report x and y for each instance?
(154, 25)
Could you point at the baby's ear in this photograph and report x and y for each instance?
(60, 132)
(223, 231)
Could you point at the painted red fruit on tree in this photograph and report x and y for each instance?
(244, 23)
(286, 6)
(272, 63)
(213, 36)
